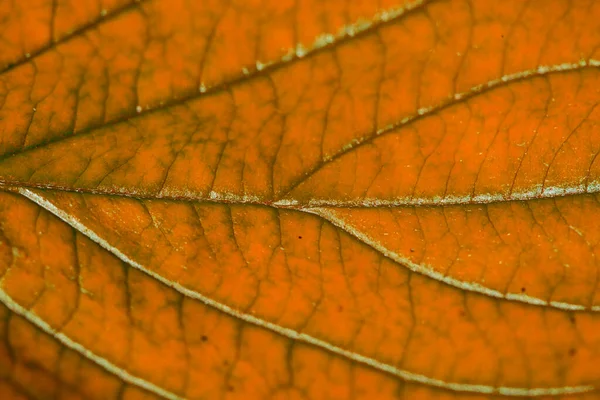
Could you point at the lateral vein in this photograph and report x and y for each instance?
(295, 335)
(65, 340)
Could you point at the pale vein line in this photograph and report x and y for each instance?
(65, 340)
(534, 193)
(322, 42)
(327, 40)
(292, 334)
(332, 217)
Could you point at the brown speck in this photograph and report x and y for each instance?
(522, 290)
(412, 250)
(572, 352)
(204, 338)
(299, 237)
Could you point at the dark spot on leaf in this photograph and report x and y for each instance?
(572, 352)
(31, 365)
(412, 250)
(522, 290)
(230, 388)
(299, 237)
(572, 318)
(204, 338)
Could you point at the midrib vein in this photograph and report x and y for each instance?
(330, 216)
(281, 200)
(286, 332)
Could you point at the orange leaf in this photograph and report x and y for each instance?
(278, 199)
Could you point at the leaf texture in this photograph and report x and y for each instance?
(300, 199)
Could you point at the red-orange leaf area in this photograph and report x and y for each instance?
(299, 199)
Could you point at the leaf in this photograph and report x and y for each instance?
(303, 200)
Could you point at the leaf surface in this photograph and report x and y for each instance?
(301, 199)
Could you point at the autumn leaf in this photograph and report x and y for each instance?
(299, 199)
